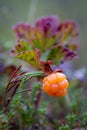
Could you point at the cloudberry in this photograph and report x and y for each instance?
(55, 84)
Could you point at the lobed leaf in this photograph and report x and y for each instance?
(30, 56)
(60, 53)
(68, 30)
(51, 38)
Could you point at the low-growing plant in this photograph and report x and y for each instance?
(44, 46)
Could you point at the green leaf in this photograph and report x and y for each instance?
(28, 75)
(41, 42)
(22, 46)
(23, 50)
(37, 39)
(51, 40)
(60, 53)
(68, 31)
(55, 54)
(30, 56)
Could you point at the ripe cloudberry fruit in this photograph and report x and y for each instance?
(55, 84)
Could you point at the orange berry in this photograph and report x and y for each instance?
(63, 84)
(60, 76)
(55, 84)
(54, 88)
(61, 93)
(46, 86)
(51, 94)
(52, 79)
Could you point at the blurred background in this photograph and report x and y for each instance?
(14, 11)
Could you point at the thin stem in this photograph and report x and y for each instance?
(25, 90)
(32, 10)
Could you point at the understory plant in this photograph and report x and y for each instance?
(45, 47)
